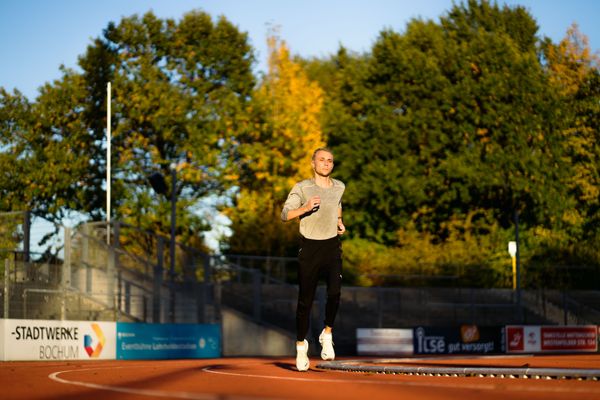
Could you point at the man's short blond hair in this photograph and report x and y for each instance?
(322, 149)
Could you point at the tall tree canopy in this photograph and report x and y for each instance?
(448, 118)
(179, 88)
(441, 132)
(50, 155)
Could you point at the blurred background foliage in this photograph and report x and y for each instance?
(441, 132)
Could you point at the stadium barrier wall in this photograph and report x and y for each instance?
(473, 339)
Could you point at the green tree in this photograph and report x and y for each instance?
(450, 118)
(49, 154)
(179, 90)
(443, 132)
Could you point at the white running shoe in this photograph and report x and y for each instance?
(326, 340)
(302, 362)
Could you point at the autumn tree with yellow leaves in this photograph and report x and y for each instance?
(570, 61)
(573, 72)
(274, 153)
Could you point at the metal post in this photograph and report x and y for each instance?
(205, 288)
(158, 271)
(565, 308)
(108, 160)
(472, 301)
(127, 297)
(111, 279)
(379, 307)
(86, 285)
(145, 308)
(256, 277)
(6, 288)
(172, 244)
(268, 270)
(519, 305)
(66, 273)
(115, 253)
(27, 235)
(217, 296)
(514, 273)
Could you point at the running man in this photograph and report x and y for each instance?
(318, 204)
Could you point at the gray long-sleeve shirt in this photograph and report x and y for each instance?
(322, 223)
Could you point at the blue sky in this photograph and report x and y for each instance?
(37, 36)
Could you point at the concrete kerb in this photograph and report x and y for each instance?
(471, 371)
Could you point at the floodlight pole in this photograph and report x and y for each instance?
(172, 244)
(518, 265)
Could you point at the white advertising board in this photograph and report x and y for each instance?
(544, 339)
(47, 340)
(384, 342)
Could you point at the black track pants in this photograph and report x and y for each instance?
(318, 257)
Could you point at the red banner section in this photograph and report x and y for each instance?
(541, 339)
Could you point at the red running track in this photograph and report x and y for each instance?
(276, 378)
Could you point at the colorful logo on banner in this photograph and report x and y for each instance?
(88, 342)
(514, 337)
(469, 333)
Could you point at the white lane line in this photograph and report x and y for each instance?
(503, 383)
(143, 392)
(345, 381)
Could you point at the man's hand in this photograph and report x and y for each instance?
(312, 204)
(341, 227)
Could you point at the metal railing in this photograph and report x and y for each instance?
(128, 280)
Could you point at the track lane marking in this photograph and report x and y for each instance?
(144, 392)
(482, 386)
(208, 369)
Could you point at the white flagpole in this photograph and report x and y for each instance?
(108, 140)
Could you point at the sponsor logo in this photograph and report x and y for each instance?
(88, 341)
(514, 336)
(429, 344)
(469, 333)
(532, 338)
(467, 339)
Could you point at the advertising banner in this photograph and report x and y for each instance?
(467, 339)
(384, 342)
(57, 340)
(167, 341)
(540, 339)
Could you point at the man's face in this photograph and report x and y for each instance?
(323, 163)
